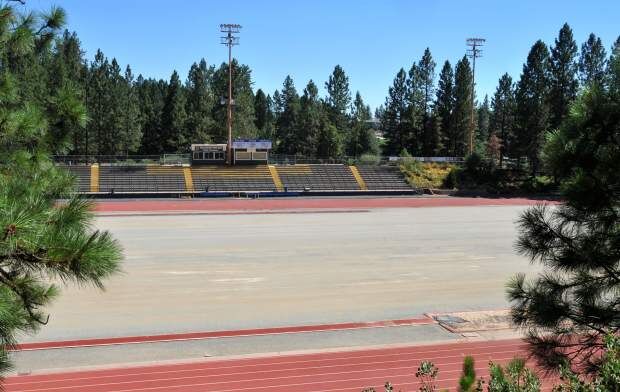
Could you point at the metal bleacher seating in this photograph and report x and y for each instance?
(81, 174)
(383, 178)
(232, 178)
(151, 178)
(317, 178)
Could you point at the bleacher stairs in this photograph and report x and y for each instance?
(82, 176)
(232, 178)
(379, 178)
(134, 179)
(317, 178)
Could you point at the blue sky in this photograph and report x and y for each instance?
(372, 40)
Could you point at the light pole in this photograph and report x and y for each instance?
(229, 40)
(474, 53)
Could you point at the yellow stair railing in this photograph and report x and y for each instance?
(189, 181)
(94, 177)
(276, 178)
(358, 178)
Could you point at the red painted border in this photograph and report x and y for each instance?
(219, 334)
(222, 205)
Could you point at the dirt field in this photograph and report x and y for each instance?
(202, 272)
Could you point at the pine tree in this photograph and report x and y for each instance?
(41, 241)
(68, 72)
(362, 139)
(113, 137)
(278, 106)
(502, 121)
(130, 127)
(394, 118)
(483, 123)
(431, 138)
(329, 140)
(613, 69)
(200, 103)
(573, 304)
(151, 96)
(264, 117)
(421, 85)
(563, 75)
(288, 120)
(592, 61)
(98, 102)
(461, 115)
(532, 98)
(444, 105)
(311, 117)
(174, 117)
(414, 121)
(338, 100)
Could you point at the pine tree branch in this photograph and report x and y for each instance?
(28, 303)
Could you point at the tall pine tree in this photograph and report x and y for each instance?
(502, 121)
(444, 105)
(613, 70)
(288, 120)
(394, 119)
(338, 100)
(532, 97)
(563, 75)
(592, 61)
(151, 96)
(174, 117)
(483, 124)
(200, 102)
(462, 113)
(414, 121)
(264, 116)
(130, 126)
(98, 102)
(311, 117)
(362, 139)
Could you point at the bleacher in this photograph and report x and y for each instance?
(151, 178)
(383, 178)
(82, 176)
(232, 179)
(254, 178)
(317, 178)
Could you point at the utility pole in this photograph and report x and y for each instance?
(229, 40)
(473, 52)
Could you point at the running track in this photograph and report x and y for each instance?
(230, 205)
(326, 371)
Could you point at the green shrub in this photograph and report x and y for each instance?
(427, 375)
(451, 180)
(468, 377)
(369, 159)
(514, 377)
(538, 184)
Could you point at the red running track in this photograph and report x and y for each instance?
(327, 371)
(299, 204)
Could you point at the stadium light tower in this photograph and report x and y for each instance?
(473, 52)
(229, 40)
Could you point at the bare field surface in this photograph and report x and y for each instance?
(207, 272)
